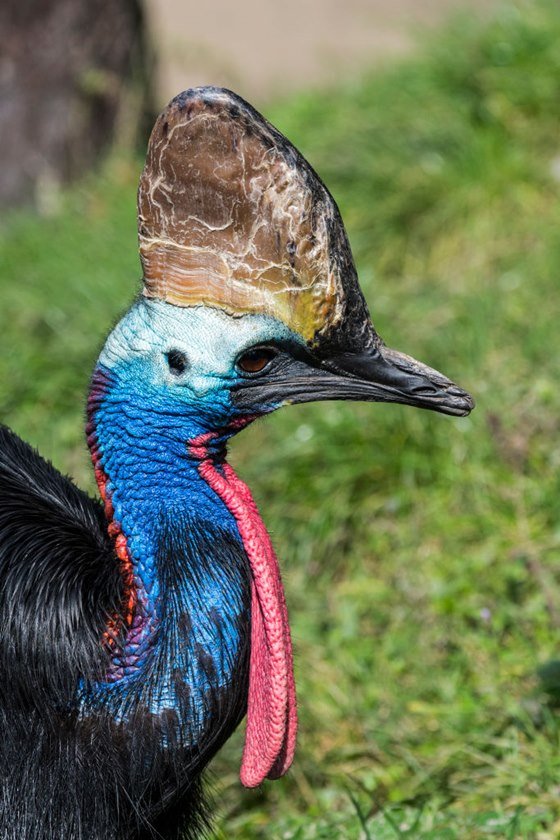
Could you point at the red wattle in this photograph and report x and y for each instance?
(270, 738)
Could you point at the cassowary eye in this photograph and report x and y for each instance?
(177, 362)
(256, 359)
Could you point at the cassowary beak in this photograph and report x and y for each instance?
(385, 375)
(377, 374)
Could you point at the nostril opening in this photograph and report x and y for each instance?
(424, 390)
(422, 387)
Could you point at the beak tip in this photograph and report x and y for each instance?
(470, 404)
(461, 404)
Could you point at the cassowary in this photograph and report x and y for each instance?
(137, 633)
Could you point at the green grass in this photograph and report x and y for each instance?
(421, 554)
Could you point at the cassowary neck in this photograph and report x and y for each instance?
(185, 575)
(200, 576)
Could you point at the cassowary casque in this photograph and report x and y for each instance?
(137, 634)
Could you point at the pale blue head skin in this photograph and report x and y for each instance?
(143, 416)
(212, 341)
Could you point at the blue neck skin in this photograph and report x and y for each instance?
(190, 629)
(183, 548)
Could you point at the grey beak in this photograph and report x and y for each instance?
(385, 375)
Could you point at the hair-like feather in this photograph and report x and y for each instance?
(58, 578)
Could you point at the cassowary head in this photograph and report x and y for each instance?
(250, 302)
(250, 299)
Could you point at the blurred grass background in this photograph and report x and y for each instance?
(420, 553)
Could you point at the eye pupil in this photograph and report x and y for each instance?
(255, 360)
(177, 362)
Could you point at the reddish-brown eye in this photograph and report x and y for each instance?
(256, 359)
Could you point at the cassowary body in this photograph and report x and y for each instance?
(136, 634)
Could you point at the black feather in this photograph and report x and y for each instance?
(59, 580)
